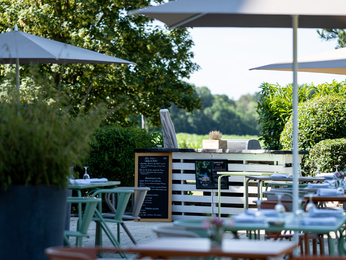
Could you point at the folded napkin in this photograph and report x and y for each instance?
(329, 192)
(265, 212)
(327, 221)
(97, 180)
(277, 175)
(325, 175)
(87, 181)
(319, 185)
(319, 213)
(243, 218)
(79, 181)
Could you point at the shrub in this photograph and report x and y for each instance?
(112, 155)
(327, 154)
(319, 119)
(39, 141)
(274, 109)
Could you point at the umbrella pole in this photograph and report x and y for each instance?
(17, 74)
(295, 120)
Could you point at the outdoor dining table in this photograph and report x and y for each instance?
(289, 225)
(261, 179)
(200, 247)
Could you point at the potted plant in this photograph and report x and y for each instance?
(215, 141)
(39, 141)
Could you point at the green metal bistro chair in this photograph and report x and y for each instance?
(84, 220)
(123, 197)
(137, 204)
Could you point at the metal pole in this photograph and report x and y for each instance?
(295, 120)
(143, 122)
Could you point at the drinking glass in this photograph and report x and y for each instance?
(300, 211)
(280, 207)
(310, 205)
(86, 175)
(318, 170)
(259, 212)
(336, 166)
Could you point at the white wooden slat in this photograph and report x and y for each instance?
(207, 199)
(256, 168)
(184, 166)
(184, 176)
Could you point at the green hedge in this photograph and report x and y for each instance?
(327, 154)
(319, 119)
(112, 155)
(275, 107)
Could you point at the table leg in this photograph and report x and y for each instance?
(79, 223)
(218, 194)
(331, 245)
(246, 198)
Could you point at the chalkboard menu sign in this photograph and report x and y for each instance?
(154, 170)
(206, 174)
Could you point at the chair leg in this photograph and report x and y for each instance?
(320, 239)
(314, 246)
(128, 233)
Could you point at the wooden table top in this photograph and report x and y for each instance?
(189, 247)
(316, 198)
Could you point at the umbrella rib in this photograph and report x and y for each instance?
(188, 20)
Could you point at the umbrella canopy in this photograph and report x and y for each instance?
(249, 13)
(256, 13)
(18, 47)
(332, 62)
(168, 131)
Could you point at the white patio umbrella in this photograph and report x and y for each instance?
(332, 62)
(168, 130)
(17, 47)
(256, 13)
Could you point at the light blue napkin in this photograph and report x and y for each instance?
(316, 213)
(327, 221)
(326, 175)
(329, 192)
(277, 175)
(318, 185)
(243, 218)
(98, 180)
(265, 212)
(87, 181)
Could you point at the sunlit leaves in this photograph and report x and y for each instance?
(162, 56)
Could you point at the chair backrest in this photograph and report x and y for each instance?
(90, 207)
(141, 192)
(123, 197)
(173, 231)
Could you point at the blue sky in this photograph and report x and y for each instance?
(226, 55)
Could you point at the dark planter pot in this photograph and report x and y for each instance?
(32, 218)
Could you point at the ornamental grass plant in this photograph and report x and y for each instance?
(39, 140)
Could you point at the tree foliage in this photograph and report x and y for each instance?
(162, 57)
(334, 34)
(219, 112)
(112, 155)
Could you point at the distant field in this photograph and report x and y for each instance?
(195, 141)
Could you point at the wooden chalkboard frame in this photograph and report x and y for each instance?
(169, 184)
